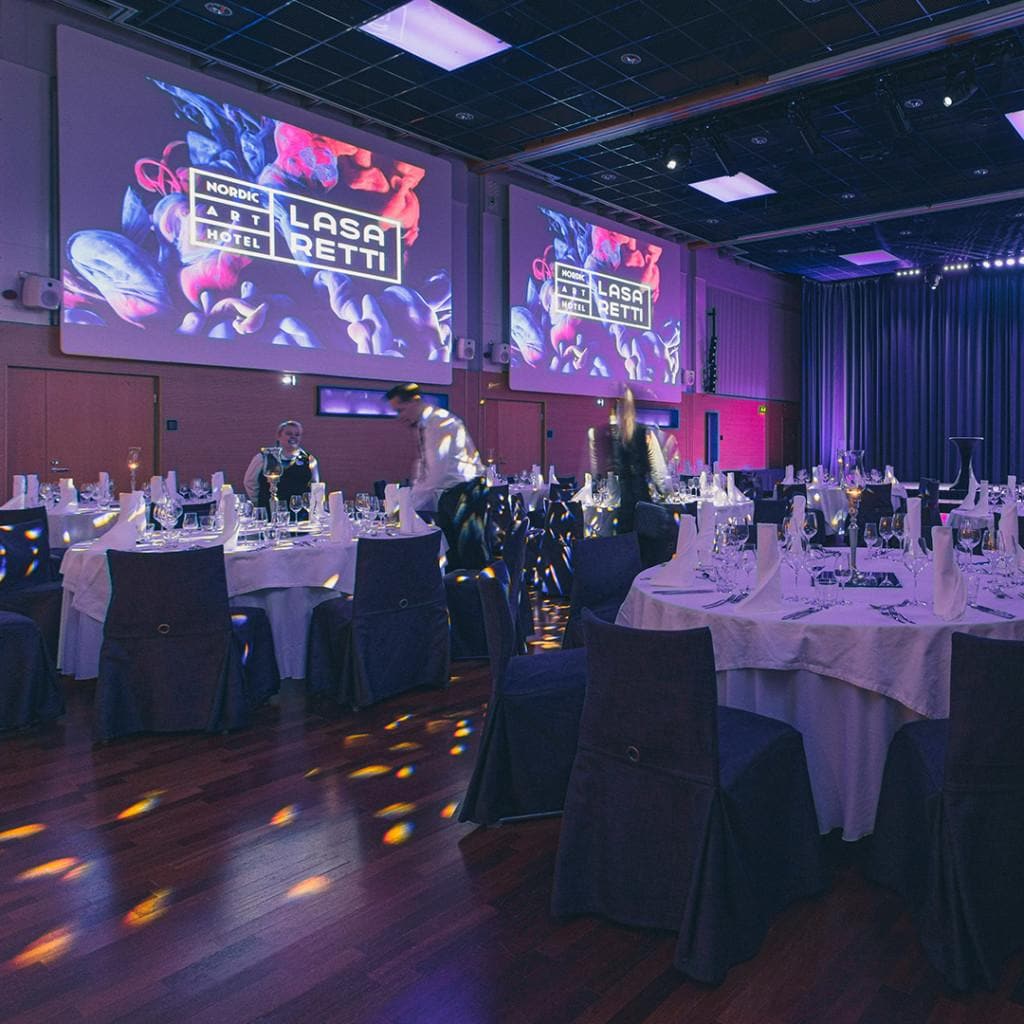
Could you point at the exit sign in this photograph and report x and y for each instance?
(762, 410)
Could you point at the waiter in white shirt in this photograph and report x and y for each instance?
(300, 468)
(447, 455)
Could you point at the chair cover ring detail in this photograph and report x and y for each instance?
(163, 629)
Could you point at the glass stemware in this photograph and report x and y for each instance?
(885, 531)
(295, 507)
(915, 558)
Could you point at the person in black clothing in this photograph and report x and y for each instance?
(300, 469)
(632, 461)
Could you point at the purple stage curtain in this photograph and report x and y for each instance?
(896, 369)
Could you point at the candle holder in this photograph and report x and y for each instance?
(134, 461)
(853, 495)
(273, 467)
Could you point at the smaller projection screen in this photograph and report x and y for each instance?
(201, 223)
(593, 306)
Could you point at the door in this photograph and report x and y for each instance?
(711, 438)
(68, 423)
(513, 435)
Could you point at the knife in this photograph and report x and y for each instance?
(992, 611)
(706, 590)
(803, 613)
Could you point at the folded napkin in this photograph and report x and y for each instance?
(614, 490)
(818, 474)
(317, 493)
(1008, 531)
(767, 593)
(967, 505)
(1011, 488)
(720, 499)
(408, 521)
(797, 516)
(704, 485)
(68, 495)
(156, 489)
(31, 490)
(716, 468)
(912, 523)
(789, 478)
(391, 499)
(171, 481)
(730, 488)
(130, 525)
(227, 508)
(679, 569)
(341, 526)
(949, 589)
(104, 480)
(890, 476)
(18, 489)
(983, 497)
(216, 482)
(552, 479)
(585, 495)
(705, 529)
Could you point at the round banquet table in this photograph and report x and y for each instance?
(532, 494)
(77, 525)
(722, 512)
(847, 677)
(288, 580)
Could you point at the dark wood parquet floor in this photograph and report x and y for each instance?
(313, 871)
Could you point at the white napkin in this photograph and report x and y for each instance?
(818, 474)
(228, 511)
(585, 495)
(156, 489)
(172, 481)
(216, 482)
(789, 478)
(720, 499)
(1008, 530)
(552, 478)
(949, 597)
(341, 526)
(679, 569)
(18, 493)
(912, 523)
(705, 529)
(614, 490)
(983, 497)
(797, 516)
(890, 476)
(1011, 488)
(703, 481)
(391, 499)
(130, 525)
(317, 492)
(68, 495)
(408, 521)
(730, 488)
(104, 480)
(31, 490)
(767, 593)
(967, 505)
(716, 468)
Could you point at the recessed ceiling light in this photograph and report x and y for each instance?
(906, 233)
(220, 10)
(848, 195)
(431, 32)
(731, 188)
(980, 172)
(464, 115)
(913, 103)
(713, 220)
(609, 176)
(865, 259)
(759, 140)
(631, 58)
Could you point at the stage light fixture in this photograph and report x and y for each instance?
(986, 264)
(934, 279)
(679, 154)
(997, 263)
(960, 84)
(1011, 262)
(797, 116)
(895, 111)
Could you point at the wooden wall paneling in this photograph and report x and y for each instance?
(25, 425)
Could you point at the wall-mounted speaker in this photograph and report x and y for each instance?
(465, 348)
(38, 292)
(689, 378)
(500, 353)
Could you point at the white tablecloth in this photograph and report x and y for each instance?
(803, 672)
(83, 524)
(288, 581)
(531, 495)
(738, 509)
(832, 502)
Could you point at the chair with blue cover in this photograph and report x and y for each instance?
(29, 585)
(561, 492)
(603, 570)
(682, 815)
(250, 627)
(656, 531)
(462, 516)
(390, 636)
(529, 736)
(786, 492)
(563, 524)
(169, 661)
(32, 514)
(949, 832)
(461, 587)
(29, 691)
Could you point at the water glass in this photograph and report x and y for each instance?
(827, 587)
(295, 506)
(208, 523)
(190, 524)
(871, 538)
(886, 531)
(915, 558)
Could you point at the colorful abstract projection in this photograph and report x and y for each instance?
(238, 238)
(593, 308)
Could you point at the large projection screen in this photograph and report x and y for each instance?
(593, 306)
(201, 223)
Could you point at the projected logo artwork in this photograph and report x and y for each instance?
(589, 307)
(248, 227)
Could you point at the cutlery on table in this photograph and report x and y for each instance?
(991, 611)
(803, 613)
(718, 604)
(703, 590)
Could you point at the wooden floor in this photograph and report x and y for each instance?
(312, 871)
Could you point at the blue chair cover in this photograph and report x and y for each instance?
(462, 515)
(29, 692)
(391, 636)
(949, 833)
(603, 571)
(37, 516)
(529, 739)
(563, 523)
(656, 531)
(786, 492)
(682, 815)
(469, 639)
(168, 662)
(561, 492)
(254, 639)
(28, 584)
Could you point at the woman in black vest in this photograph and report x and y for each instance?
(300, 469)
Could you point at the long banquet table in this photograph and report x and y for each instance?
(847, 677)
(288, 580)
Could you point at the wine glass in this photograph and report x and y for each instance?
(871, 538)
(969, 538)
(295, 505)
(810, 528)
(915, 558)
(165, 512)
(886, 532)
(307, 503)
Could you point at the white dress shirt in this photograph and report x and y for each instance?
(251, 481)
(447, 457)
